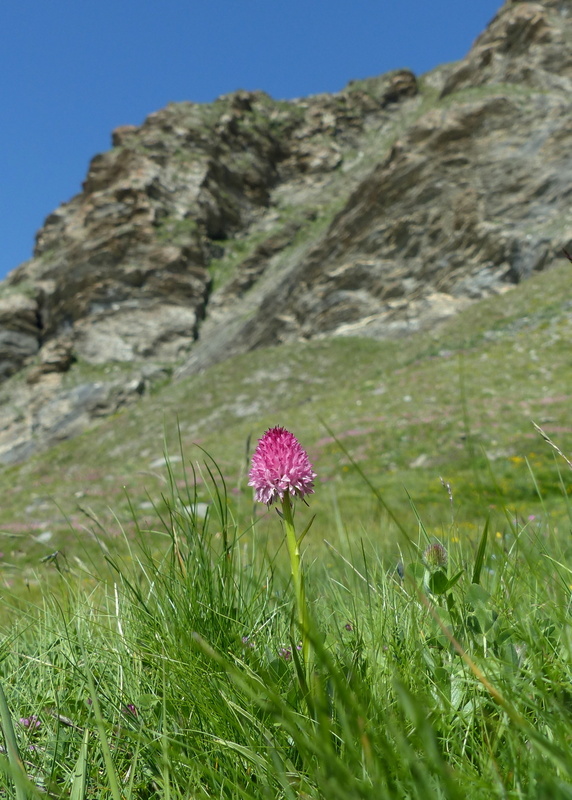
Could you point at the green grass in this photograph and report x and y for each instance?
(117, 594)
(148, 618)
(177, 673)
(407, 413)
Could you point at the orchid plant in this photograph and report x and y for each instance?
(281, 471)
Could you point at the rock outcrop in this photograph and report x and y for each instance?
(214, 229)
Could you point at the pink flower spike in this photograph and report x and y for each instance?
(279, 465)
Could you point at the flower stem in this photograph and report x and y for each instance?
(297, 574)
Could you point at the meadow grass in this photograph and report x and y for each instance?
(151, 642)
(172, 666)
(456, 403)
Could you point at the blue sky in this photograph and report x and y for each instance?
(72, 71)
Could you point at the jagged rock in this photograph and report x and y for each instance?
(523, 44)
(19, 332)
(56, 356)
(213, 229)
(458, 209)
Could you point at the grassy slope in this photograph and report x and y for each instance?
(408, 413)
(395, 709)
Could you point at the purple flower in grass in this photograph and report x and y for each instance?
(280, 465)
(31, 723)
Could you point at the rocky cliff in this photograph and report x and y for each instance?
(214, 229)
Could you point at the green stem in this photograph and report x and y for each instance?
(297, 574)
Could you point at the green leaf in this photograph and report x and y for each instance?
(481, 554)
(438, 582)
(147, 701)
(80, 771)
(305, 531)
(477, 596)
(452, 581)
(14, 758)
(113, 783)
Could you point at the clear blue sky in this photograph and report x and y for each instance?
(72, 70)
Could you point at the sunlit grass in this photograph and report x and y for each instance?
(147, 610)
(407, 413)
(176, 669)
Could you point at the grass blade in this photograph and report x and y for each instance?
(481, 553)
(14, 759)
(109, 765)
(80, 772)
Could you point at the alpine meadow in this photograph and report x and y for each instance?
(285, 453)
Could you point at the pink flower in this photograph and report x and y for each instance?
(280, 465)
(32, 722)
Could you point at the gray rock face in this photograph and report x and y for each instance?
(19, 332)
(470, 199)
(214, 229)
(46, 408)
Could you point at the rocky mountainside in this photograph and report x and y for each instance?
(214, 229)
